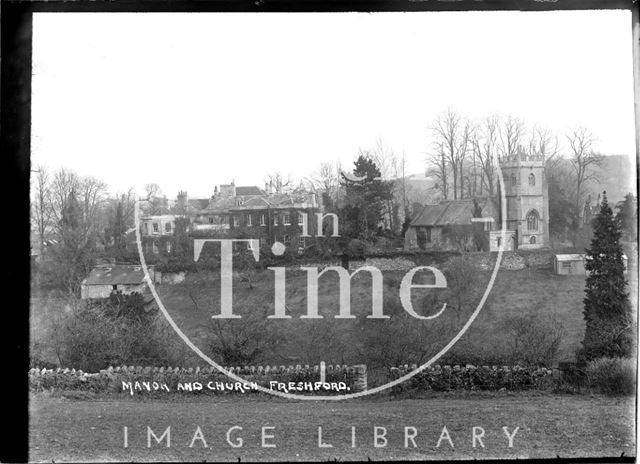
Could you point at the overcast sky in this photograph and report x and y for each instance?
(190, 101)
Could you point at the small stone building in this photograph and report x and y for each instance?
(574, 264)
(108, 278)
(449, 225)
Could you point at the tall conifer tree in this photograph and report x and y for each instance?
(607, 310)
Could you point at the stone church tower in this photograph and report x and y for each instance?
(527, 197)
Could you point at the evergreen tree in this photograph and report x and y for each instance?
(627, 216)
(73, 252)
(116, 233)
(365, 199)
(607, 310)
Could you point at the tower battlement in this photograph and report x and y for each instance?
(517, 160)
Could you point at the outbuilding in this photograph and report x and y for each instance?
(574, 264)
(107, 278)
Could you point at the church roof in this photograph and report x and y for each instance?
(453, 212)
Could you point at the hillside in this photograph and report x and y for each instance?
(530, 291)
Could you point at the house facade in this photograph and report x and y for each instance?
(267, 215)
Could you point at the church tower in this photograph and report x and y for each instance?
(527, 197)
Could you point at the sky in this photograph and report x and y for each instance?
(190, 101)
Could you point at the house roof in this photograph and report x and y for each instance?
(197, 203)
(571, 257)
(248, 190)
(453, 212)
(115, 274)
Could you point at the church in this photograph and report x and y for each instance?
(457, 224)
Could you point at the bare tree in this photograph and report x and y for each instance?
(41, 205)
(512, 132)
(391, 169)
(64, 182)
(439, 169)
(485, 141)
(583, 159)
(454, 135)
(326, 180)
(92, 196)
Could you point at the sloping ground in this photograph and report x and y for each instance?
(526, 291)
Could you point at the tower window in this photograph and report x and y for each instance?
(532, 180)
(514, 181)
(532, 220)
(532, 240)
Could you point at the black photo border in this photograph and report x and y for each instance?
(15, 146)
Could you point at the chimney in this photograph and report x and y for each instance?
(182, 200)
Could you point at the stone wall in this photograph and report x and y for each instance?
(110, 380)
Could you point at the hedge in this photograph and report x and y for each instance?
(469, 377)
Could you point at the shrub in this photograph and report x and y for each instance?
(613, 376)
(120, 330)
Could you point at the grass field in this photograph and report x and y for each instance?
(549, 426)
(529, 291)
(526, 291)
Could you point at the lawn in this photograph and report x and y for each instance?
(192, 303)
(526, 291)
(549, 426)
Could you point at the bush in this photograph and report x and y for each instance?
(121, 330)
(612, 376)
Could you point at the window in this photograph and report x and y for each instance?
(263, 220)
(168, 247)
(167, 227)
(499, 240)
(154, 246)
(300, 219)
(155, 227)
(566, 264)
(514, 181)
(427, 234)
(236, 222)
(263, 242)
(302, 243)
(532, 180)
(114, 287)
(275, 219)
(210, 219)
(532, 220)
(249, 220)
(286, 240)
(286, 219)
(532, 240)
